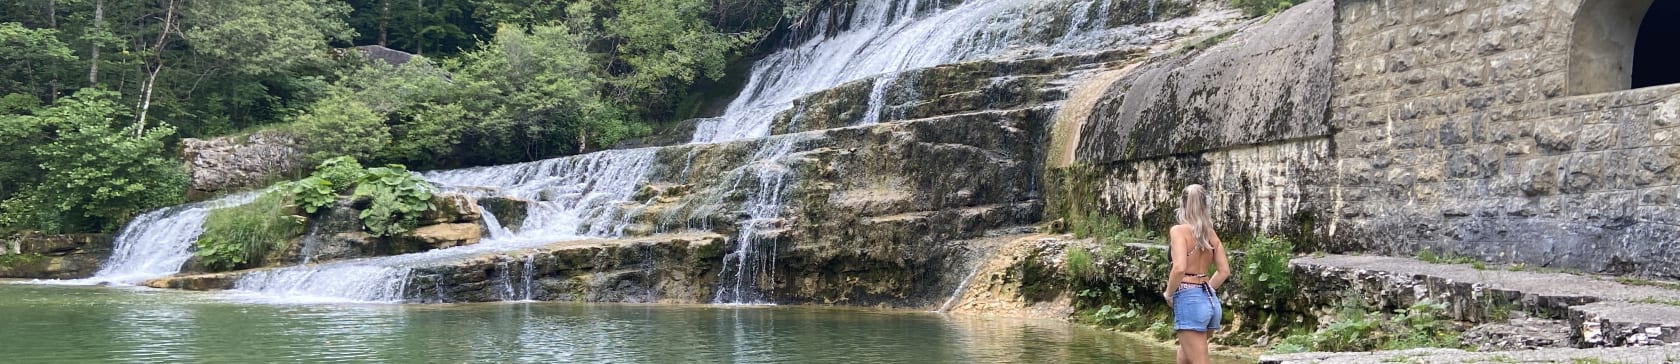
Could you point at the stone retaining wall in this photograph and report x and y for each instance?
(1455, 134)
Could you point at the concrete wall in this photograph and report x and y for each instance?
(1454, 132)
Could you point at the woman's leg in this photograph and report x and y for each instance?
(1192, 347)
(1182, 358)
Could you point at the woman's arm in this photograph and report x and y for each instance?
(1220, 261)
(1176, 242)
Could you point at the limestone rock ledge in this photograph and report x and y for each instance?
(53, 256)
(230, 164)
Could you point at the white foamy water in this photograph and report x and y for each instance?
(156, 244)
(571, 198)
(890, 36)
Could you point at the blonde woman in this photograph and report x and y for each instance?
(1190, 291)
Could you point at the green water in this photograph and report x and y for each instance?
(60, 324)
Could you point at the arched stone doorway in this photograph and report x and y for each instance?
(1604, 44)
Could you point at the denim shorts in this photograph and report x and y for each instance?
(1196, 308)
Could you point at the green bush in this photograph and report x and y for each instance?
(1265, 270)
(397, 199)
(321, 188)
(1423, 325)
(341, 172)
(1253, 8)
(83, 165)
(312, 193)
(1080, 263)
(241, 236)
(17, 260)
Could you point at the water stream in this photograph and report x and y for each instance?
(157, 243)
(571, 198)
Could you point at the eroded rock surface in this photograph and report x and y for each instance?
(231, 164)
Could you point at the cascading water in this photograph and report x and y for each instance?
(753, 258)
(885, 36)
(157, 243)
(572, 197)
(878, 98)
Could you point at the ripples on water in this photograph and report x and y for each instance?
(58, 324)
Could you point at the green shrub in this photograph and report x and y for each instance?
(341, 172)
(17, 260)
(1265, 270)
(1080, 264)
(312, 193)
(1423, 325)
(1449, 258)
(241, 236)
(1253, 8)
(397, 199)
(1161, 330)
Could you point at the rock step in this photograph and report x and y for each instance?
(1624, 324)
(1603, 312)
(1649, 354)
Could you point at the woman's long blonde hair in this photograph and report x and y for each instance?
(1193, 211)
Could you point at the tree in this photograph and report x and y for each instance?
(258, 37)
(96, 171)
(343, 126)
(30, 57)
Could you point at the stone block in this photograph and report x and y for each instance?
(1632, 135)
(1597, 137)
(1539, 176)
(1556, 135)
(1582, 173)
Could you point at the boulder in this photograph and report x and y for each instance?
(446, 235)
(236, 163)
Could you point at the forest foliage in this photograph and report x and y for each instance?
(95, 94)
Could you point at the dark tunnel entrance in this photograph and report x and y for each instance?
(1656, 54)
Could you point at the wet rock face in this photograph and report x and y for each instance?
(336, 233)
(866, 219)
(1241, 112)
(231, 164)
(53, 256)
(1266, 82)
(954, 91)
(675, 269)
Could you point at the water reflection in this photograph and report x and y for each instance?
(52, 324)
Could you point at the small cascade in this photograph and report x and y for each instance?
(157, 243)
(754, 259)
(504, 278)
(528, 276)
(878, 98)
(328, 283)
(311, 243)
(961, 287)
(493, 228)
(1081, 15)
(572, 197)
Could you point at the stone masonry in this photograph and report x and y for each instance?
(1470, 127)
(1454, 133)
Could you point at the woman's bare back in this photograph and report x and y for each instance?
(1200, 260)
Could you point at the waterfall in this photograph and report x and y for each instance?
(493, 228)
(878, 98)
(573, 197)
(156, 243)
(883, 38)
(753, 257)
